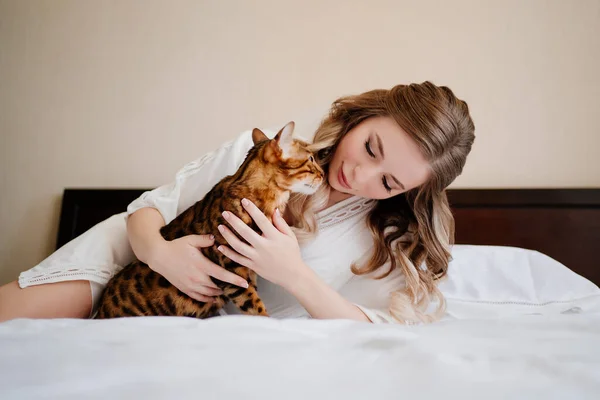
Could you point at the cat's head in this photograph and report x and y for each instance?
(294, 166)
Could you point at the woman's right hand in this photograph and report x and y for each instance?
(182, 263)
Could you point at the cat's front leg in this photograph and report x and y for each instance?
(247, 300)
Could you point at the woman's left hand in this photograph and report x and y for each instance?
(274, 255)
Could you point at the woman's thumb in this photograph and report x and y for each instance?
(201, 240)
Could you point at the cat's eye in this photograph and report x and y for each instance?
(311, 159)
(368, 147)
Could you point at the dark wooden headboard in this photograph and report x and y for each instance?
(562, 223)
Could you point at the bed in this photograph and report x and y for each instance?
(534, 334)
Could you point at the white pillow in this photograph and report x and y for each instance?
(498, 281)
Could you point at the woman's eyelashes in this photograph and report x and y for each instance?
(371, 154)
(368, 147)
(385, 185)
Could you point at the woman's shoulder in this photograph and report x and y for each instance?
(227, 157)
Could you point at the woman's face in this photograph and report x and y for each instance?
(377, 160)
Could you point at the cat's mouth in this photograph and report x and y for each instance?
(314, 185)
(309, 187)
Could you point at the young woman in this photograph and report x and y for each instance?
(369, 245)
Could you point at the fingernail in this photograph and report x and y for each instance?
(211, 237)
(221, 228)
(245, 202)
(245, 285)
(225, 214)
(277, 212)
(220, 248)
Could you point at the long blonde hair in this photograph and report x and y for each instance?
(412, 231)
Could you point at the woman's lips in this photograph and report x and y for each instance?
(342, 178)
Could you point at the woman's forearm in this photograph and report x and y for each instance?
(143, 230)
(321, 301)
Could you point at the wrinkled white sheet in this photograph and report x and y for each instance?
(239, 357)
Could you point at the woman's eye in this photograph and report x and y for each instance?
(368, 147)
(385, 185)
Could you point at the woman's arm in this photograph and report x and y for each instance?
(143, 231)
(320, 300)
(179, 261)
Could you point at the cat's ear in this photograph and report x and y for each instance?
(284, 139)
(258, 136)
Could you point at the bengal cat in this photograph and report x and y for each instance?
(271, 170)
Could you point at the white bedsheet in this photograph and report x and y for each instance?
(239, 357)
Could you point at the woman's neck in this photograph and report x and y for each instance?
(334, 198)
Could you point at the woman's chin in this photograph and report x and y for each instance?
(340, 189)
(335, 185)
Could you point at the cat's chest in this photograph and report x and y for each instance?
(282, 200)
(273, 202)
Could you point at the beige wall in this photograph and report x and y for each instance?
(121, 94)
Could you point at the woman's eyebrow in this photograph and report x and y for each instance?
(380, 147)
(398, 182)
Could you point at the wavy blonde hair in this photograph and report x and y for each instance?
(414, 230)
